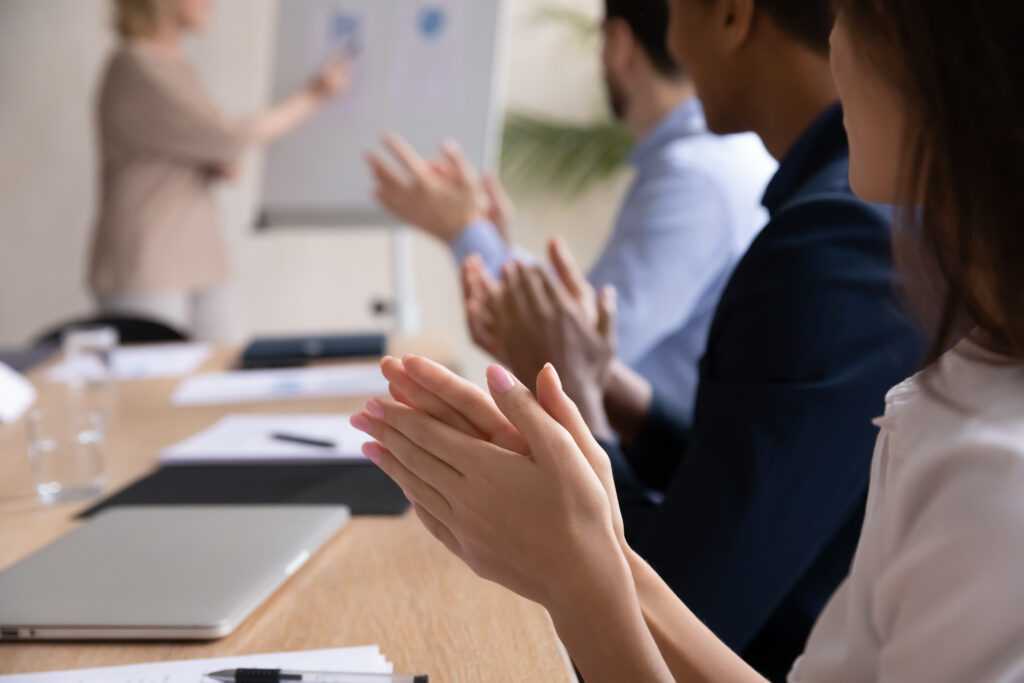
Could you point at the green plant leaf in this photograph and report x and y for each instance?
(545, 155)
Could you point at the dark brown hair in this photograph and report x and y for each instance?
(809, 21)
(960, 68)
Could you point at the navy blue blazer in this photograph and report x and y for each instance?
(752, 516)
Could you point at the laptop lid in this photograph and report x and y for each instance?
(165, 573)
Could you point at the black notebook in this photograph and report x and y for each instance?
(286, 352)
(361, 486)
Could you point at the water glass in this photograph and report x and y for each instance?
(65, 451)
(88, 359)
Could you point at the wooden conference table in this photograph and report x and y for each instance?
(380, 581)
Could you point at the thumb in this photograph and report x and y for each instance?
(556, 402)
(500, 205)
(565, 265)
(607, 312)
(464, 173)
(541, 431)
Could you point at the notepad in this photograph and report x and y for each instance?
(368, 660)
(250, 439)
(153, 361)
(250, 386)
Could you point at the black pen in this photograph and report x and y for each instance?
(282, 676)
(303, 440)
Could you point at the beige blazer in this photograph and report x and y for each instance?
(160, 139)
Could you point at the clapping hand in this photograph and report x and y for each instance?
(515, 486)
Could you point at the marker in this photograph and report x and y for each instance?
(304, 440)
(281, 676)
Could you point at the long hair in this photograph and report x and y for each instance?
(960, 67)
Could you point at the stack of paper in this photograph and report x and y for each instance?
(365, 660)
(265, 438)
(136, 362)
(280, 385)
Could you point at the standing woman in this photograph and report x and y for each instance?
(157, 248)
(933, 98)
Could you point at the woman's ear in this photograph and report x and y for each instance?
(619, 46)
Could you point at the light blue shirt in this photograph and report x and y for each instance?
(692, 211)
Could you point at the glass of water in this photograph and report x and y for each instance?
(88, 359)
(65, 450)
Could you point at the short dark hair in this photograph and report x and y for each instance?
(648, 19)
(809, 21)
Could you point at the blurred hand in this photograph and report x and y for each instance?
(481, 296)
(332, 79)
(539, 525)
(442, 198)
(541, 320)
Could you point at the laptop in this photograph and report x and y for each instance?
(161, 573)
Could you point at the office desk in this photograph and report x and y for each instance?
(381, 580)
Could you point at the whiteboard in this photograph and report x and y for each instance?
(423, 68)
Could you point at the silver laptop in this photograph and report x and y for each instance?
(161, 573)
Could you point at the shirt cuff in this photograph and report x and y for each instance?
(481, 237)
(660, 447)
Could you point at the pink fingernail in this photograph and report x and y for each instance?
(500, 379)
(375, 409)
(360, 422)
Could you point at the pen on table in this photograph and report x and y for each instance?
(283, 676)
(303, 440)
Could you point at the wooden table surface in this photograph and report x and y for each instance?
(380, 581)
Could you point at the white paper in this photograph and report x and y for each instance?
(350, 660)
(16, 395)
(136, 362)
(249, 386)
(249, 438)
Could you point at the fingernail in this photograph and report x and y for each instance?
(360, 422)
(500, 379)
(375, 409)
(551, 368)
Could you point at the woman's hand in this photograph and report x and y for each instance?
(332, 79)
(539, 522)
(433, 389)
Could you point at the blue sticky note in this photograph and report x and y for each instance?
(432, 22)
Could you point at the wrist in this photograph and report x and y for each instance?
(600, 574)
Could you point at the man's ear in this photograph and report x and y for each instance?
(736, 20)
(619, 45)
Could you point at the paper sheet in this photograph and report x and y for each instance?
(354, 660)
(248, 438)
(136, 362)
(280, 385)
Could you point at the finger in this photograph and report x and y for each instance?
(501, 206)
(415, 396)
(540, 301)
(470, 400)
(438, 530)
(415, 489)
(546, 438)
(464, 172)
(423, 464)
(607, 312)
(417, 439)
(556, 402)
(565, 265)
(383, 171)
(410, 159)
(518, 304)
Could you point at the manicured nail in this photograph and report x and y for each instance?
(500, 379)
(551, 368)
(375, 409)
(360, 422)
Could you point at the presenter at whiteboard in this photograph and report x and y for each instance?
(164, 145)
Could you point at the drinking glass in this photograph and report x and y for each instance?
(65, 450)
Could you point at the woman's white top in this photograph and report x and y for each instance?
(936, 590)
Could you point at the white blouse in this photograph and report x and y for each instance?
(936, 590)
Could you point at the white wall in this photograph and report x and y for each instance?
(51, 52)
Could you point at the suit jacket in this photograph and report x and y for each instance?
(752, 515)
